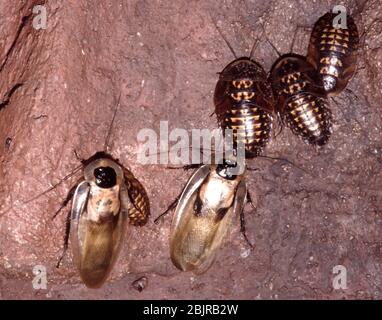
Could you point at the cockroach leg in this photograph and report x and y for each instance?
(186, 167)
(68, 198)
(249, 200)
(243, 229)
(171, 207)
(66, 239)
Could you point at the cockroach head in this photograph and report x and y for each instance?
(103, 170)
(98, 155)
(241, 68)
(230, 169)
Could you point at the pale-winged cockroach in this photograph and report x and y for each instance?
(333, 52)
(107, 196)
(300, 100)
(204, 211)
(104, 199)
(244, 103)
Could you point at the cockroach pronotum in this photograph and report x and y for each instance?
(244, 103)
(300, 100)
(103, 200)
(211, 198)
(333, 52)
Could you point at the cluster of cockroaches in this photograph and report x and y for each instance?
(302, 84)
(246, 100)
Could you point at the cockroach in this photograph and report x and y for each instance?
(300, 99)
(333, 52)
(107, 196)
(244, 103)
(103, 200)
(204, 211)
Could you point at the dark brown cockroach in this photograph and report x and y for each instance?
(300, 100)
(103, 200)
(204, 211)
(333, 52)
(244, 103)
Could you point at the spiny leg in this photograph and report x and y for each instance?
(66, 238)
(176, 201)
(171, 206)
(68, 198)
(243, 230)
(242, 221)
(67, 224)
(249, 200)
(186, 167)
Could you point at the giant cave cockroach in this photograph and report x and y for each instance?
(300, 100)
(244, 103)
(204, 211)
(103, 200)
(333, 52)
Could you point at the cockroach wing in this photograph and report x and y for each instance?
(194, 238)
(191, 187)
(96, 244)
(225, 223)
(139, 204)
(79, 203)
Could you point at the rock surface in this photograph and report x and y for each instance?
(59, 85)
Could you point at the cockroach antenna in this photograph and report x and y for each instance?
(269, 42)
(223, 37)
(254, 46)
(107, 140)
(284, 160)
(75, 170)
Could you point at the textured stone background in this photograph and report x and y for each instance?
(58, 87)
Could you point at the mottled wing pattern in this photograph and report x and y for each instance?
(139, 210)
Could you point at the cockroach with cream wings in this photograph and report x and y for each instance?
(213, 195)
(103, 200)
